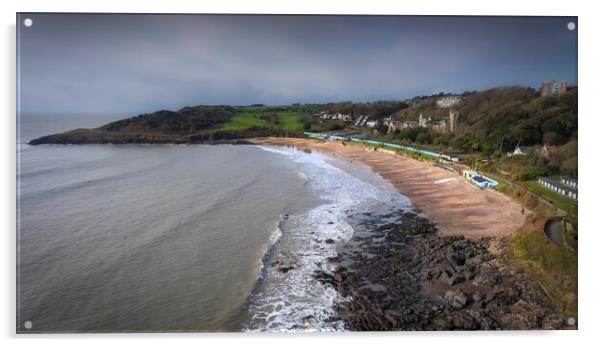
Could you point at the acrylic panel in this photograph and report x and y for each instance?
(243, 173)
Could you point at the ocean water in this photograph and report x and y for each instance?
(142, 238)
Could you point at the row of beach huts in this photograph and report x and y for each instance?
(364, 139)
(478, 180)
(566, 186)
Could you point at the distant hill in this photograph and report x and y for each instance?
(518, 114)
(503, 117)
(186, 120)
(191, 124)
(494, 119)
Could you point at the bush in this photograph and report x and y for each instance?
(529, 173)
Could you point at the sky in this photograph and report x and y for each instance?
(131, 64)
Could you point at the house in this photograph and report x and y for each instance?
(364, 120)
(522, 150)
(398, 125)
(394, 125)
(449, 157)
(546, 150)
(553, 88)
(371, 123)
(360, 120)
(339, 116)
(479, 180)
(343, 117)
(569, 181)
(409, 124)
(439, 126)
(559, 187)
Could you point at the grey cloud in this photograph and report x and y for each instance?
(139, 63)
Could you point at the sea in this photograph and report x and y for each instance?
(181, 238)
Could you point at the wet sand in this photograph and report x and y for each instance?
(445, 197)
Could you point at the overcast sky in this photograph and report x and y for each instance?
(132, 64)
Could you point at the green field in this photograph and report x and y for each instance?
(241, 121)
(287, 121)
(290, 121)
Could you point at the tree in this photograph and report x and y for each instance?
(553, 138)
(423, 137)
(381, 127)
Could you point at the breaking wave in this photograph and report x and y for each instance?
(287, 297)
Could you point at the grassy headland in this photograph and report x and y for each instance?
(198, 124)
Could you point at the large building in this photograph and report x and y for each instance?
(553, 88)
(441, 125)
(423, 121)
(398, 125)
(448, 101)
(454, 121)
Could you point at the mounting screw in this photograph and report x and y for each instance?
(571, 26)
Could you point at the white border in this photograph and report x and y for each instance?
(590, 120)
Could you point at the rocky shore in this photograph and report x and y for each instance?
(396, 273)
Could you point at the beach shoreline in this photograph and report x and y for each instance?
(444, 197)
(445, 264)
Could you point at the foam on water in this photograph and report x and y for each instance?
(287, 296)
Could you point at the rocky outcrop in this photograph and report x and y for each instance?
(402, 276)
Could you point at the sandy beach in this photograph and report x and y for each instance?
(445, 197)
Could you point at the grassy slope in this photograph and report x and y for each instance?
(565, 203)
(555, 269)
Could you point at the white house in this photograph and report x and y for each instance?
(522, 150)
(478, 180)
(448, 101)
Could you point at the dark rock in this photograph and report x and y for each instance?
(456, 298)
(459, 257)
(455, 279)
(413, 279)
(476, 297)
(285, 269)
(329, 241)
